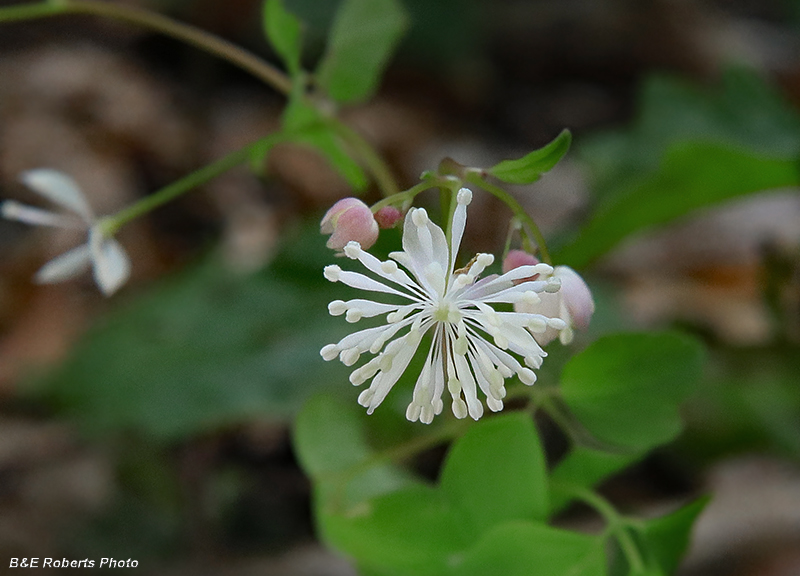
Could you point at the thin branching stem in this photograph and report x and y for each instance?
(616, 524)
(247, 61)
(529, 225)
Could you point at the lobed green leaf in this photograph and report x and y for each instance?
(585, 467)
(626, 388)
(204, 349)
(330, 439)
(692, 175)
(497, 472)
(523, 548)
(689, 147)
(413, 531)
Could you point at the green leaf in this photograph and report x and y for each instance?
(692, 175)
(744, 112)
(283, 31)
(409, 532)
(668, 537)
(363, 37)
(585, 467)
(328, 436)
(496, 472)
(529, 168)
(205, 349)
(303, 124)
(520, 548)
(327, 143)
(690, 147)
(625, 389)
(330, 439)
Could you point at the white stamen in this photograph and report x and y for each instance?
(337, 308)
(332, 272)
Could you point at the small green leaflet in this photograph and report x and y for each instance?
(363, 37)
(283, 30)
(529, 168)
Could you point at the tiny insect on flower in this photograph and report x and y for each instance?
(473, 345)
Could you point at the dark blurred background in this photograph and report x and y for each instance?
(117, 454)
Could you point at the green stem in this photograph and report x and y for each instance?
(513, 226)
(453, 187)
(517, 209)
(111, 224)
(550, 406)
(406, 196)
(372, 160)
(616, 523)
(207, 42)
(159, 23)
(30, 11)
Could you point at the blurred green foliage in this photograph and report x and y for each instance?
(206, 349)
(688, 148)
(750, 401)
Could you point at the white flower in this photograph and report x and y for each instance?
(109, 261)
(473, 345)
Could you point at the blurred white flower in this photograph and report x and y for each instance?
(105, 255)
(473, 345)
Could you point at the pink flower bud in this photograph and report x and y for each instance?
(517, 258)
(388, 216)
(576, 296)
(349, 220)
(572, 303)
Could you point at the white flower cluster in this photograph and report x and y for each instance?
(473, 345)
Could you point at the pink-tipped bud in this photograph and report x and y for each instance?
(576, 296)
(517, 258)
(349, 220)
(572, 303)
(388, 216)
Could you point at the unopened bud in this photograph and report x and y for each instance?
(576, 296)
(517, 258)
(388, 216)
(570, 307)
(349, 220)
